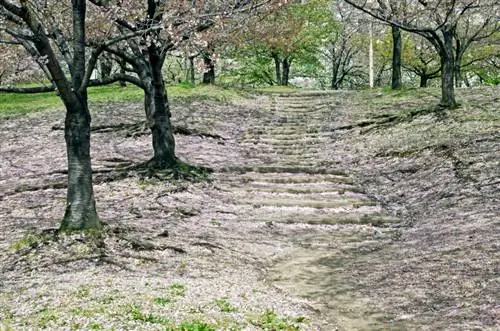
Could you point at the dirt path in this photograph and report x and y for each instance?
(344, 210)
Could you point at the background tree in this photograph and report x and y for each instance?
(292, 34)
(343, 48)
(145, 55)
(437, 21)
(397, 49)
(420, 58)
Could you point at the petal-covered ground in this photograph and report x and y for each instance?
(340, 210)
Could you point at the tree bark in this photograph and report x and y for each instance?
(106, 67)
(123, 66)
(190, 75)
(447, 70)
(158, 114)
(423, 81)
(335, 72)
(80, 207)
(277, 67)
(457, 73)
(209, 74)
(286, 71)
(396, 57)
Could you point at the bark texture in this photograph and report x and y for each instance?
(80, 207)
(397, 49)
(209, 74)
(447, 70)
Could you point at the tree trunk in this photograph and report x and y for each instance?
(335, 72)
(396, 57)
(106, 67)
(158, 114)
(457, 72)
(80, 208)
(209, 74)
(424, 80)
(277, 66)
(190, 76)
(123, 66)
(447, 70)
(286, 71)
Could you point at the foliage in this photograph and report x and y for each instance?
(295, 33)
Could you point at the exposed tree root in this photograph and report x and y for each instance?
(180, 171)
(383, 120)
(141, 129)
(50, 247)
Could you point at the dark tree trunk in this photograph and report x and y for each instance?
(335, 72)
(457, 72)
(209, 74)
(80, 207)
(106, 67)
(277, 66)
(123, 65)
(424, 80)
(447, 70)
(396, 57)
(158, 114)
(286, 71)
(190, 74)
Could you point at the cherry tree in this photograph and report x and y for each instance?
(145, 55)
(439, 21)
(42, 27)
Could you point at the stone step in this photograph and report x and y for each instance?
(283, 170)
(291, 202)
(320, 188)
(284, 178)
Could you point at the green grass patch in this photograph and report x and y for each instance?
(177, 289)
(225, 306)
(163, 301)
(21, 104)
(82, 292)
(45, 317)
(31, 239)
(269, 320)
(193, 326)
(136, 314)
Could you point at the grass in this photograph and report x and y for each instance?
(31, 238)
(269, 320)
(21, 104)
(225, 306)
(136, 314)
(177, 289)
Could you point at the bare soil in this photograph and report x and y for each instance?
(325, 211)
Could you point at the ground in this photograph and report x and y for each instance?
(325, 211)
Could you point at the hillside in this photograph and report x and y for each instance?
(325, 210)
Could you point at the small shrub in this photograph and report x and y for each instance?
(225, 306)
(162, 301)
(269, 320)
(178, 289)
